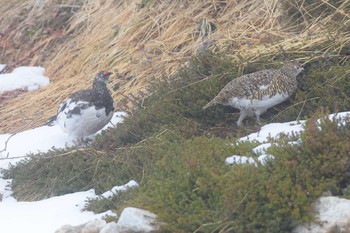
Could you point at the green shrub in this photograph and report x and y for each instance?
(70, 170)
(192, 189)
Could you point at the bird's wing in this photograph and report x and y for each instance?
(63, 105)
(51, 121)
(71, 101)
(259, 83)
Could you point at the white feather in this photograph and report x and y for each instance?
(256, 104)
(89, 121)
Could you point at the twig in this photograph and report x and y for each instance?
(6, 142)
(16, 132)
(67, 6)
(59, 155)
(188, 85)
(96, 167)
(302, 102)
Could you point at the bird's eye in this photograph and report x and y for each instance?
(105, 72)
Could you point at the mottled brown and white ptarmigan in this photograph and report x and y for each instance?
(87, 111)
(254, 93)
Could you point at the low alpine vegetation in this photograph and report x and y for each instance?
(176, 152)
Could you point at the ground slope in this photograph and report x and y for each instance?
(144, 41)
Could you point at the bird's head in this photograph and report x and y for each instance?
(102, 77)
(292, 68)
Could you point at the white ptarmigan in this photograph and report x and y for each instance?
(254, 93)
(87, 111)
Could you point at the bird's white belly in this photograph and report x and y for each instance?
(257, 104)
(88, 122)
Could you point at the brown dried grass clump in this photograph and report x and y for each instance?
(145, 41)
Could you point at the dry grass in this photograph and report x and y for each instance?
(74, 39)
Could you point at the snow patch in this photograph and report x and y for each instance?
(116, 189)
(25, 77)
(261, 148)
(275, 130)
(237, 159)
(46, 215)
(265, 158)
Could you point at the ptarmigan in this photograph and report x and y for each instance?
(254, 93)
(87, 111)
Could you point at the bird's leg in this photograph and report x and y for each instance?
(258, 113)
(83, 142)
(242, 115)
(258, 119)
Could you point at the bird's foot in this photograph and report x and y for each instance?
(258, 120)
(83, 142)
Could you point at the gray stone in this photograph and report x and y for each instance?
(137, 220)
(111, 227)
(93, 226)
(69, 229)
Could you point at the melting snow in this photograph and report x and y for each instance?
(46, 215)
(237, 159)
(24, 77)
(275, 130)
(116, 189)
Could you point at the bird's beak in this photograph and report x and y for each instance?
(110, 73)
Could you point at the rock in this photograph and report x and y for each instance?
(93, 226)
(69, 229)
(131, 220)
(331, 215)
(111, 227)
(137, 220)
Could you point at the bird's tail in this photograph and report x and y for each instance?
(51, 121)
(211, 103)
